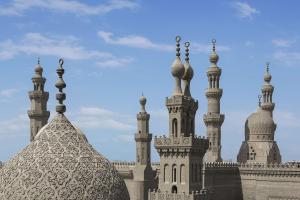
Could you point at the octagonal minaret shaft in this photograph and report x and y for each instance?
(38, 113)
(267, 92)
(143, 137)
(213, 119)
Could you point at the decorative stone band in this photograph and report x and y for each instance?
(143, 137)
(157, 195)
(190, 141)
(123, 165)
(214, 92)
(38, 94)
(213, 118)
(36, 113)
(143, 116)
(180, 100)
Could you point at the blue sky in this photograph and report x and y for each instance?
(116, 49)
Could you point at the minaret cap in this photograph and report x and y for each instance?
(214, 56)
(60, 84)
(38, 69)
(143, 101)
(268, 76)
(177, 67)
(189, 73)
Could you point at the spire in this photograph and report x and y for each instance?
(38, 113)
(267, 92)
(143, 101)
(60, 84)
(188, 73)
(177, 69)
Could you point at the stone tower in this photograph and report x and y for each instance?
(259, 145)
(38, 113)
(181, 152)
(143, 173)
(213, 119)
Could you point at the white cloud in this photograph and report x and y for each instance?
(206, 48)
(15, 125)
(18, 7)
(115, 63)
(38, 44)
(244, 10)
(286, 57)
(102, 119)
(282, 42)
(133, 41)
(7, 93)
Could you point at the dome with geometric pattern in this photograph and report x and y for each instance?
(60, 164)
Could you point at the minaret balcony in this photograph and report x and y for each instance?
(213, 92)
(38, 95)
(38, 113)
(143, 137)
(180, 100)
(213, 118)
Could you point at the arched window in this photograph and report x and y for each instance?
(175, 127)
(174, 189)
(174, 173)
(182, 174)
(165, 172)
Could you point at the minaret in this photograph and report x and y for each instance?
(143, 137)
(182, 151)
(213, 119)
(267, 92)
(143, 172)
(38, 113)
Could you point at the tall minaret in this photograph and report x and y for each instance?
(38, 113)
(143, 173)
(213, 119)
(143, 137)
(267, 92)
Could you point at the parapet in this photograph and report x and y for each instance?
(158, 195)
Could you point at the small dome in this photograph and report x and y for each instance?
(177, 68)
(261, 122)
(268, 77)
(38, 69)
(188, 72)
(61, 164)
(143, 100)
(213, 58)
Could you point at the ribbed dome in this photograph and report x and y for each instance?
(60, 164)
(261, 122)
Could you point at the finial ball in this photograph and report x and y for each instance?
(187, 44)
(178, 38)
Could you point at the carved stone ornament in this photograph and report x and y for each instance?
(60, 164)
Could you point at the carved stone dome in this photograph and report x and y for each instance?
(177, 69)
(261, 122)
(60, 164)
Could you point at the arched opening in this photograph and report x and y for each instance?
(174, 174)
(174, 189)
(165, 172)
(175, 127)
(182, 174)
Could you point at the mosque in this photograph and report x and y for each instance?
(60, 164)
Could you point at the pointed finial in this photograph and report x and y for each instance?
(38, 61)
(187, 45)
(60, 84)
(178, 38)
(214, 41)
(259, 100)
(268, 66)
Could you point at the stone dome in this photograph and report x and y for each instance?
(260, 122)
(60, 164)
(188, 72)
(213, 58)
(177, 68)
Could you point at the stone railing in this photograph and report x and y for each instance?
(157, 195)
(190, 141)
(221, 165)
(123, 165)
